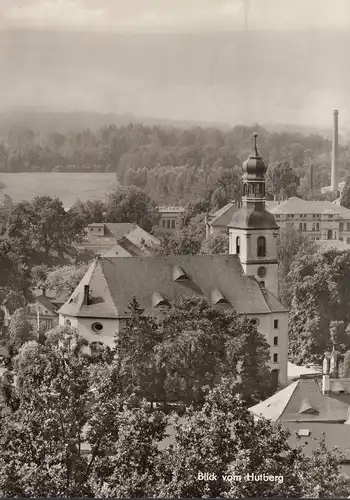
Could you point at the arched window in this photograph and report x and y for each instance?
(245, 190)
(238, 246)
(261, 246)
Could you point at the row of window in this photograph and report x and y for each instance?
(301, 216)
(342, 225)
(168, 223)
(261, 246)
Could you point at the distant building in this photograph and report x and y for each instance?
(42, 313)
(168, 216)
(217, 223)
(317, 220)
(122, 239)
(245, 280)
(328, 189)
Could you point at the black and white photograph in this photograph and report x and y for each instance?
(174, 249)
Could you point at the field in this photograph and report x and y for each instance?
(66, 186)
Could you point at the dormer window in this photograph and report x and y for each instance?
(261, 246)
(158, 300)
(217, 297)
(179, 274)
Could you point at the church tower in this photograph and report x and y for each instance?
(253, 231)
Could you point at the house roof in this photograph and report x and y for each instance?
(113, 230)
(223, 216)
(296, 205)
(114, 281)
(46, 302)
(303, 401)
(337, 435)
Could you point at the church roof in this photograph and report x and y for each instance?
(303, 401)
(253, 218)
(114, 281)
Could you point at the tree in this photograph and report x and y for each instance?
(346, 366)
(43, 224)
(290, 243)
(64, 279)
(67, 404)
(281, 181)
(319, 298)
(215, 244)
(345, 196)
(202, 344)
(228, 188)
(131, 204)
(191, 211)
(20, 331)
(185, 241)
(88, 212)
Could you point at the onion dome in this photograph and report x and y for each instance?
(255, 166)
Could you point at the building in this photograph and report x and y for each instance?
(217, 222)
(317, 220)
(117, 239)
(245, 280)
(43, 313)
(168, 216)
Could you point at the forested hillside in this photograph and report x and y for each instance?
(172, 165)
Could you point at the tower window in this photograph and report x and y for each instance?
(238, 246)
(261, 246)
(275, 358)
(275, 341)
(275, 324)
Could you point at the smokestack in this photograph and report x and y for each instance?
(311, 176)
(86, 295)
(334, 174)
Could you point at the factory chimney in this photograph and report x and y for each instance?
(334, 174)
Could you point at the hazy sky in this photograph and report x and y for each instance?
(180, 14)
(292, 66)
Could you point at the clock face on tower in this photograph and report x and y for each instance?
(262, 271)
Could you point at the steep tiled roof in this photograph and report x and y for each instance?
(296, 205)
(114, 281)
(46, 303)
(289, 404)
(223, 216)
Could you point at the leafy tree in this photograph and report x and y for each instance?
(131, 204)
(88, 212)
(192, 210)
(64, 279)
(228, 188)
(203, 344)
(20, 331)
(215, 244)
(290, 243)
(345, 195)
(185, 241)
(346, 365)
(282, 181)
(43, 224)
(320, 295)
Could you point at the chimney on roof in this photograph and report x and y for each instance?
(334, 173)
(86, 295)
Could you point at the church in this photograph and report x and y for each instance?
(245, 279)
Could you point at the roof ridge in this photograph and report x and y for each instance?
(288, 400)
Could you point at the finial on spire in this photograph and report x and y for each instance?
(255, 138)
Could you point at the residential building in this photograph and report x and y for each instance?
(43, 313)
(168, 216)
(217, 222)
(245, 280)
(122, 239)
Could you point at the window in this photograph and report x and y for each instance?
(292, 216)
(173, 224)
(317, 238)
(317, 226)
(348, 226)
(275, 341)
(97, 327)
(262, 284)
(300, 226)
(348, 241)
(261, 246)
(254, 321)
(47, 325)
(303, 432)
(329, 234)
(163, 223)
(68, 322)
(313, 226)
(275, 358)
(238, 247)
(341, 238)
(305, 227)
(275, 324)
(341, 226)
(168, 224)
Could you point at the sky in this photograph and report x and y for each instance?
(160, 15)
(179, 59)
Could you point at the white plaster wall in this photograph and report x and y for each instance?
(107, 335)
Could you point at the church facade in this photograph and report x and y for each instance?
(245, 279)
